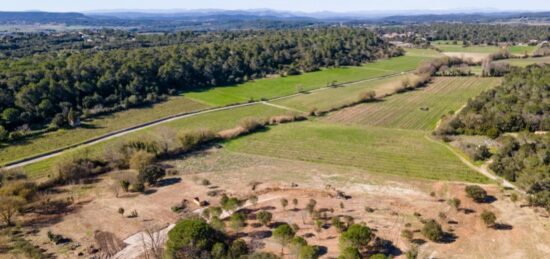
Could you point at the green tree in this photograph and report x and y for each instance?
(283, 234)
(194, 233)
(296, 244)
(433, 231)
(378, 256)
(350, 253)
(309, 252)
(151, 174)
(356, 236)
(237, 221)
(284, 203)
(238, 248)
(488, 218)
(477, 193)
(455, 203)
(264, 217)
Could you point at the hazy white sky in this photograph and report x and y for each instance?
(291, 5)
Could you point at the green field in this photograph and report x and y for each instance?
(522, 50)
(447, 46)
(523, 62)
(96, 127)
(404, 110)
(215, 121)
(377, 150)
(334, 97)
(280, 86)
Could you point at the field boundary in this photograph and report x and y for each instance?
(122, 132)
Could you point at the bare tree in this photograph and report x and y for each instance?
(165, 137)
(152, 243)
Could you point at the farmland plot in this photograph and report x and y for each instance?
(377, 150)
(420, 109)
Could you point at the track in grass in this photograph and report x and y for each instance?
(420, 109)
(447, 46)
(376, 150)
(269, 88)
(335, 97)
(96, 127)
(215, 121)
(523, 62)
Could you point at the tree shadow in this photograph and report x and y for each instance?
(261, 234)
(149, 191)
(448, 238)
(168, 181)
(418, 241)
(267, 208)
(276, 224)
(322, 250)
(490, 199)
(468, 211)
(503, 226)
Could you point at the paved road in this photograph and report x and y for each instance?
(122, 132)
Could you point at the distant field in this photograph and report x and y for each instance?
(523, 62)
(414, 52)
(334, 97)
(280, 86)
(404, 110)
(521, 50)
(447, 46)
(376, 150)
(96, 127)
(215, 121)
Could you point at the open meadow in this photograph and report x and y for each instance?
(377, 150)
(420, 109)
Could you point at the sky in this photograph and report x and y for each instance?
(287, 5)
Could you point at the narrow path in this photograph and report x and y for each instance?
(281, 107)
(122, 132)
(484, 169)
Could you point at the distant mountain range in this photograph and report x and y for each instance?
(239, 19)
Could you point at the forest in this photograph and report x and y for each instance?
(473, 33)
(521, 103)
(58, 87)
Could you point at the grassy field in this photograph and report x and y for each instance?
(96, 127)
(522, 50)
(404, 110)
(215, 121)
(377, 150)
(447, 46)
(281, 86)
(333, 97)
(523, 62)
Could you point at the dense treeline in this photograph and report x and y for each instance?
(472, 33)
(521, 103)
(17, 45)
(58, 86)
(526, 161)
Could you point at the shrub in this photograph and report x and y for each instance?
(151, 174)
(433, 231)
(251, 124)
(356, 236)
(190, 139)
(141, 159)
(25, 190)
(377, 256)
(407, 234)
(3, 134)
(296, 245)
(488, 218)
(482, 153)
(9, 206)
(367, 96)
(73, 170)
(455, 203)
(477, 193)
(237, 221)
